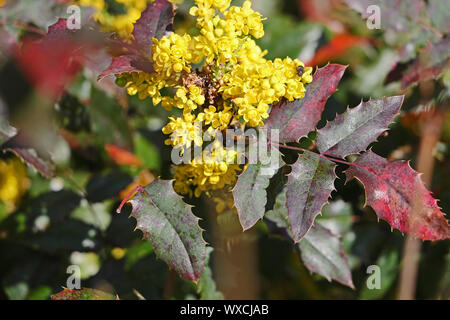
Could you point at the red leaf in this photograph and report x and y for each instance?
(321, 11)
(337, 47)
(155, 21)
(53, 61)
(121, 156)
(296, 119)
(119, 65)
(397, 194)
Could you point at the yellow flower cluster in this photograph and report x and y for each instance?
(255, 83)
(14, 182)
(232, 84)
(213, 172)
(183, 130)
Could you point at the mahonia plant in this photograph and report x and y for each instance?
(220, 78)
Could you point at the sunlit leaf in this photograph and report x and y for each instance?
(353, 131)
(397, 194)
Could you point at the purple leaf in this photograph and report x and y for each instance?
(249, 193)
(155, 21)
(130, 63)
(296, 119)
(309, 186)
(169, 224)
(353, 131)
(320, 250)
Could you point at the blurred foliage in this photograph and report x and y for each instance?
(71, 218)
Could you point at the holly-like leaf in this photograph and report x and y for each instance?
(309, 186)
(154, 22)
(83, 294)
(353, 131)
(397, 194)
(249, 193)
(296, 119)
(320, 250)
(169, 224)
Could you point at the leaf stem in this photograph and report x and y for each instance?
(129, 196)
(325, 156)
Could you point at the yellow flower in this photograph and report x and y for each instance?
(14, 182)
(118, 253)
(214, 171)
(218, 78)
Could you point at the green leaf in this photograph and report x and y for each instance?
(206, 286)
(284, 37)
(109, 121)
(353, 131)
(337, 217)
(83, 294)
(320, 250)
(309, 186)
(389, 264)
(249, 193)
(147, 152)
(438, 11)
(172, 229)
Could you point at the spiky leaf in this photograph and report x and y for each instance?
(296, 119)
(397, 194)
(249, 193)
(320, 250)
(83, 294)
(169, 224)
(309, 186)
(353, 131)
